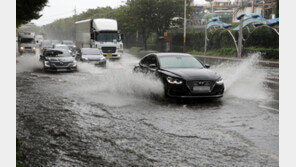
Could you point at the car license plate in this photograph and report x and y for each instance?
(201, 89)
(109, 54)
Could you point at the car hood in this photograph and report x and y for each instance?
(60, 59)
(193, 73)
(93, 57)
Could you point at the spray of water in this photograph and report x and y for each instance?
(125, 82)
(28, 63)
(244, 79)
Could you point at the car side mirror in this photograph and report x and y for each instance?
(207, 66)
(152, 66)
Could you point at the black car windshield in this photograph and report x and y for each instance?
(27, 40)
(56, 53)
(179, 62)
(90, 51)
(108, 37)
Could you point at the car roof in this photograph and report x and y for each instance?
(164, 54)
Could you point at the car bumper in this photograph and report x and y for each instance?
(96, 63)
(60, 69)
(182, 91)
(67, 67)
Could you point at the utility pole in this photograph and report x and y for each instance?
(75, 11)
(184, 46)
(253, 6)
(240, 38)
(206, 39)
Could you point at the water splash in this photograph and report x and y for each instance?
(124, 82)
(244, 79)
(28, 63)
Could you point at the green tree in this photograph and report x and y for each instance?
(166, 11)
(141, 14)
(26, 10)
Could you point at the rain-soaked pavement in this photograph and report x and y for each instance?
(112, 117)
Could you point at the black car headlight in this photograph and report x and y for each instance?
(220, 81)
(176, 81)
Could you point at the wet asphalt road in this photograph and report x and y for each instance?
(111, 117)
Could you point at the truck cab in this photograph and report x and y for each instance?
(102, 34)
(27, 42)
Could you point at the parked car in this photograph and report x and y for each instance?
(58, 60)
(92, 55)
(183, 76)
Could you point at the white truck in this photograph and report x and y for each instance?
(26, 42)
(100, 33)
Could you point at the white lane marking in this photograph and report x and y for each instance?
(269, 108)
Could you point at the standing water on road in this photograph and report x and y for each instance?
(113, 117)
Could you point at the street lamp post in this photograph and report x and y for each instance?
(184, 46)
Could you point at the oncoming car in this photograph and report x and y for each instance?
(92, 55)
(58, 60)
(183, 76)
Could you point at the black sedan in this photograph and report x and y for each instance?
(92, 55)
(58, 60)
(182, 75)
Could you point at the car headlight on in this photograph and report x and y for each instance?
(34, 48)
(46, 64)
(22, 48)
(174, 81)
(74, 63)
(220, 81)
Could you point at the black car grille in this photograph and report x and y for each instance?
(191, 84)
(27, 47)
(108, 49)
(61, 64)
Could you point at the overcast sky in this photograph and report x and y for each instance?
(57, 9)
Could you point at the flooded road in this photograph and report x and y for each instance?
(112, 117)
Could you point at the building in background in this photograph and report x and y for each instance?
(227, 11)
(263, 7)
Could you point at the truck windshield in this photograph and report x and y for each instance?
(108, 37)
(27, 40)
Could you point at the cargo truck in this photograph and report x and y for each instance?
(100, 33)
(26, 42)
